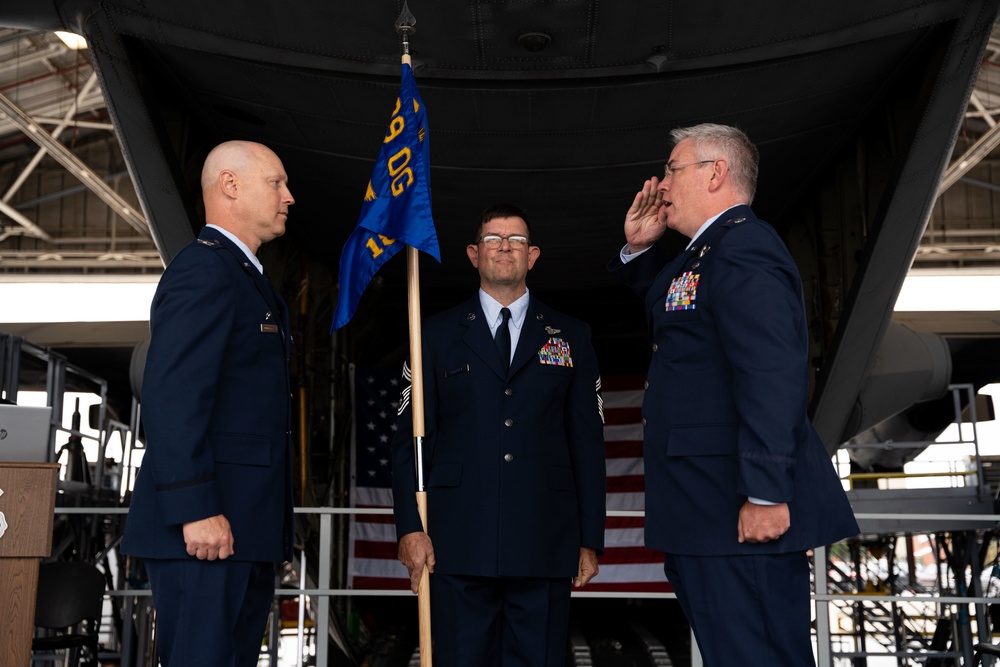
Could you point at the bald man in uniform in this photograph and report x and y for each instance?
(211, 513)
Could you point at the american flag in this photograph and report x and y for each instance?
(626, 565)
(371, 561)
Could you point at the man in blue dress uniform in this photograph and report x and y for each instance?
(738, 483)
(211, 513)
(514, 458)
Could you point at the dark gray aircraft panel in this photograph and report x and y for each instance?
(563, 108)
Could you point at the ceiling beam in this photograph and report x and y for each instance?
(19, 218)
(65, 157)
(976, 154)
(25, 59)
(25, 204)
(981, 108)
(42, 115)
(53, 263)
(37, 157)
(87, 124)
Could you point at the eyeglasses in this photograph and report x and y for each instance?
(669, 171)
(493, 241)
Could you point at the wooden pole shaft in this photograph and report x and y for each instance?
(424, 596)
(417, 410)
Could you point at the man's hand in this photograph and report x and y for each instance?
(208, 539)
(645, 221)
(415, 551)
(762, 523)
(588, 567)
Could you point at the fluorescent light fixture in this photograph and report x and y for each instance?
(76, 300)
(939, 291)
(30, 299)
(72, 40)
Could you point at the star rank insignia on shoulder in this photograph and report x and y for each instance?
(701, 253)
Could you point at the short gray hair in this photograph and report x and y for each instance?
(713, 141)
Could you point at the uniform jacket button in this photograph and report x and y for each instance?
(645, 385)
(508, 391)
(508, 422)
(655, 347)
(643, 421)
(508, 457)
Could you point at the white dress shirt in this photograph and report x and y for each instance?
(518, 310)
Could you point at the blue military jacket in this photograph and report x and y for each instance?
(215, 408)
(725, 408)
(515, 470)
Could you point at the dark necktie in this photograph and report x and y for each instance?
(502, 338)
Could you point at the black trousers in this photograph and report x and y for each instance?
(499, 622)
(210, 613)
(746, 610)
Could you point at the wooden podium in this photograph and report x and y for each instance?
(26, 512)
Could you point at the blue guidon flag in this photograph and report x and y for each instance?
(397, 206)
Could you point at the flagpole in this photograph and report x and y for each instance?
(417, 408)
(405, 27)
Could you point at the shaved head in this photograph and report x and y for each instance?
(245, 190)
(231, 155)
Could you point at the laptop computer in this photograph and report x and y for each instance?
(24, 433)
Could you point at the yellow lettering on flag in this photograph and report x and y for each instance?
(373, 245)
(396, 125)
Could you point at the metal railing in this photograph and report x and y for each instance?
(823, 598)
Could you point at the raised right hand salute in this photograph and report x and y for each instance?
(645, 220)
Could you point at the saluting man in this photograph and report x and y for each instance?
(738, 483)
(514, 456)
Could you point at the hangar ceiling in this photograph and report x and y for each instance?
(67, 205)
(66, 201)
(854, 109)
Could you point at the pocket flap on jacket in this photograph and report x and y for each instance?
(251, 450)
(561, 478)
